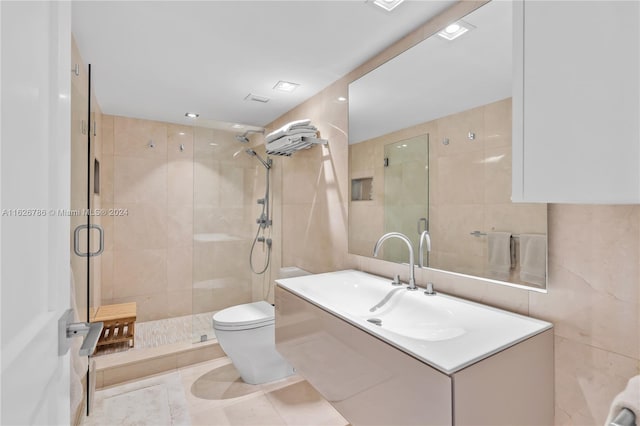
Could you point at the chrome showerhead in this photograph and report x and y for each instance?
(243, 137)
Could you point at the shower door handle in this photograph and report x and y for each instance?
(425, 239)
(425, 227)
(76, 240)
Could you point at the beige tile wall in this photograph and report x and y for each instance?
(184, 243)
(147, 256)
(314, 189)
(594, 257)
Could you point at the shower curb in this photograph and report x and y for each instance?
(121, 367)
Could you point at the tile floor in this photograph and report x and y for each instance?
(211, 393)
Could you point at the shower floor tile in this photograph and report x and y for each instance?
(167, 331)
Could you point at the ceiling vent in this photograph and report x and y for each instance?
(256, 98)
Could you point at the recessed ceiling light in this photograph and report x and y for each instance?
(286, 86)
(181, 133)
(191, 115)
(455, 30)
(256, 98)
(341, 99)
(213, 144)
(237, 126)
(387, 5)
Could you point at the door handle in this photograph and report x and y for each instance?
(624, 418)
(424, 221)
(67, 330)
(76, 240)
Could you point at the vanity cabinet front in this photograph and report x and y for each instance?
(371, 382)
(576, 102)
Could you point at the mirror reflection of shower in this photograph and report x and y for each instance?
(263, 233)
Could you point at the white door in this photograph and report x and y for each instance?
(34, 184)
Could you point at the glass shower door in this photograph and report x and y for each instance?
(225, 211)
(79, 221)
(86, 236)
(95, 232)
(406, 200)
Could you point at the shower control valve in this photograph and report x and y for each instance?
(265, 240)
(263, 221)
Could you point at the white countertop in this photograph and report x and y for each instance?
(445, 332)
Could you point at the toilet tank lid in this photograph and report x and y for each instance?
(248, 313)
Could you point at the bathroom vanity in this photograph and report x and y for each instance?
(382, 354)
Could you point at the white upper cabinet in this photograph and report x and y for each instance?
(576, 102)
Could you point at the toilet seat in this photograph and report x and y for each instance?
(244, 317)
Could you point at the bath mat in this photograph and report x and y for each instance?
(155, 401)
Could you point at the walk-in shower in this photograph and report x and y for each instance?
(263, 233)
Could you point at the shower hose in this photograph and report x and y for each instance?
(264, 223)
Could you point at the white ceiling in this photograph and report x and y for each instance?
(160, 59)
(437, 77)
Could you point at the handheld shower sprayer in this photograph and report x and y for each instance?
(266, 164)
(264, 220)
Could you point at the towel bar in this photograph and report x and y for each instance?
(624, 418)
(484, 234)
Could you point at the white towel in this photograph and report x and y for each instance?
(628, 398)
(533, 258)
(286, 141)
(298, 124)
(499, 247)
(292, 132)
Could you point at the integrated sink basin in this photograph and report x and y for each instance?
(445, 332)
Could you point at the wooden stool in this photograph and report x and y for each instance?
(119, 323)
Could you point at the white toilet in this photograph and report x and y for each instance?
(246, 334)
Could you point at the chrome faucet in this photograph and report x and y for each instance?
(412, 277)
(424, 237)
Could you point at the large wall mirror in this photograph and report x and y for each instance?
(430, 149)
